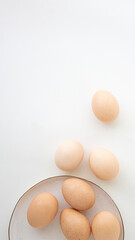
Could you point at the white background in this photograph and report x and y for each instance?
(54, 54)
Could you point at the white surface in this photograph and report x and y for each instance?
(53, 56)
(20, 229)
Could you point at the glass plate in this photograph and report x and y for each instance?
(19, 229)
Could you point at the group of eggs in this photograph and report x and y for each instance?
(77, 193)
(102, 162)
(74, 224)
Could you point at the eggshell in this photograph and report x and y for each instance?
(74, 225)
(78, 194)
(105, 106)
(42, 210)
(105, 226)
(103, 164)
(69, 155)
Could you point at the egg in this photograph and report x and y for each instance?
(103, 164)
(69, 155)
(78, 194)
(74, 225)
(105, 106)
(42, 210)
(105, 226)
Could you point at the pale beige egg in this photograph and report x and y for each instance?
(105, 226)
(78, 194)
(69, 155)
(103, 164)
(105, 106)
(42, 210)
(74, 225)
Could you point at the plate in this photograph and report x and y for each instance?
(19, 229)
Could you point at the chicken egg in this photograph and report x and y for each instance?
(74, 225)
(105, 226)
(69, 155)
(105, 106)
(78, 194)
(42, 210)
(103, 164)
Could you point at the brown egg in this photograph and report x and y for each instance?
(78, 194)
(69, 155)
(103, 164)
(105, 106)
(42, 210)
(74, 225)
(105, 226)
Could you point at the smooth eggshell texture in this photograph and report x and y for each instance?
(78, 194)
(74, 225)
(105, 106)
(42, 210)
(104, 164)
(105, 226)
(69, 155)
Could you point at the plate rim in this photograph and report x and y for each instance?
(59, 176)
